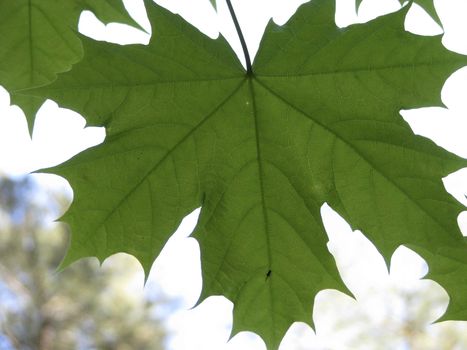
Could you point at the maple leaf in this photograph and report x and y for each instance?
(39, 40)
(315, 120)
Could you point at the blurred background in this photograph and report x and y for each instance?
(85, 307)
(88, 306)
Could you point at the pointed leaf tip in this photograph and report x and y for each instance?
(357, 5)
(428, 6)
(214, 4)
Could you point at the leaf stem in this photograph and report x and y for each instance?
(249, 69)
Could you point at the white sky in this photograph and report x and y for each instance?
(59, 134)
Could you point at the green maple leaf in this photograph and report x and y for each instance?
(315, 120)
(39, 40)
(427, 5)
(213, 3)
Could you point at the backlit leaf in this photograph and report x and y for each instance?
(317, 121)
(39, 40)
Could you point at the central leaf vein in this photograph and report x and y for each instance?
(169, 152)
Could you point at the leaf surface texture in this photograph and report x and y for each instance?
(39, 40)
(317, 121)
